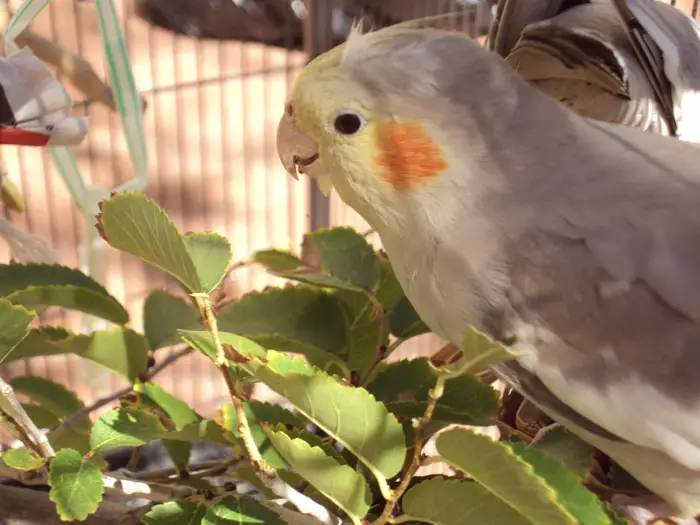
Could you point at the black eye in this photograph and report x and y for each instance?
(347, 123)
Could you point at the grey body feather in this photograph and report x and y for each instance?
(581, 238)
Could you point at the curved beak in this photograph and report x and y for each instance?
(296, 150)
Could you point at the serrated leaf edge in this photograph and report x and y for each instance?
(127, 194)
(376, 472)
(546, 487)
(325, 455)
(213, 234)
(30, 265)
(123, 320)
(65, 516)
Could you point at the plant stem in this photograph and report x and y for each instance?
(434, 395)
(196, 470)
(16, 413)
(116, 485)
(372, 372)
(17, 429)
(265, 471)
(148, 490)
(259, 464)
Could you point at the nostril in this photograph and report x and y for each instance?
(289, 110)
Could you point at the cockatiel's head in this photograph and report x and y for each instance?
(389, 120)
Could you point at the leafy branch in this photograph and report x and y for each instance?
(81, 414)
(346, 439)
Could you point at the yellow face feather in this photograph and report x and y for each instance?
(385, 150)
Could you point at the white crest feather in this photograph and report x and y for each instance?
(353, 40)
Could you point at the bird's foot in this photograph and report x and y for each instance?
(647, 510)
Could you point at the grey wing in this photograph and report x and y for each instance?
(512, 16)
(604, 299)
(667, 45)
(583, 58)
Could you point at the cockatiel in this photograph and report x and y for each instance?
(621, 61)
(502, 209)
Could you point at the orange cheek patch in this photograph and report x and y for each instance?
(407, 154)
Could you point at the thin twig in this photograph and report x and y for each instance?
(114, 484)
(21, 419)
(151, 491)
(434, 395)
(416, 459)
(265, 472)
(394, 345)
(389, 350)
(16, 429)
(81, 414)
(259, 464)
(169, 474)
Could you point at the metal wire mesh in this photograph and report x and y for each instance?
(213, 105)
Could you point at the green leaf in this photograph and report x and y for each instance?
(179, 452)
(337, 481)
(41, 416)
(134, 223)
(403, 387)
(211, 254)
(62, 437)
(164, 314)
(76, 485)
(14, 323)
(297, 319)
(245, 472)
(240, 510)
(79, 299)
(613, 516)
(567, 448)
(15, 277)
(34, 285)
(204, 341)
(388, 290)
(404, 321)
(178, 412)
(276, 414)
(443, 501)
(338, 257)
(581, 503)
(51, 396)
(351, 415)
(206, 430)
(479, 351)
(260, 437)
(502, 472)
(22, 459)
(365, 332)
(121, 350)
(175, 513)
(276, 261)
(122, 427)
